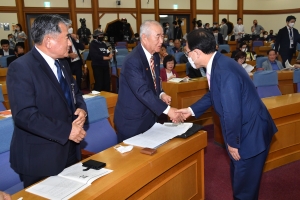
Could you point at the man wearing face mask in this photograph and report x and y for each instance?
(286, 40)
(74, 58)
(100, 56)
(168, 31)
(256, 29)
(218, 36)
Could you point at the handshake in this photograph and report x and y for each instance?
(179, 115)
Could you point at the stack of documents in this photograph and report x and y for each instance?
(68, 183)
(158, 134)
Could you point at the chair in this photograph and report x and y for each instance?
(121, 44)
(169, 50)
(121, 47)
(122, 52)
(260, 60)
(178, 56)
(3, 60)
(85, 54)
(2, 107)
(224, 47)
(257, 44)
(296, 80)
(100, 135)
(91, 74)
(10, 180)
(266, 83)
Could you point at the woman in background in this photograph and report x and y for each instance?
(240, 57)
(19, 35)
(168, 71)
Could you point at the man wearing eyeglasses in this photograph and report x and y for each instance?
(141, 98)
(247, 126)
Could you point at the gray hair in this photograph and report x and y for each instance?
(145, 27)
(47, 24)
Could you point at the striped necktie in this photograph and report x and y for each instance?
(153, 71)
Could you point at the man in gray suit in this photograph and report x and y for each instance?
(272, 63)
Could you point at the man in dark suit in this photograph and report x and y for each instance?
(47, 107)
(141, 98)
(75, 60)
(247, 126)
(6, 51)
(286, 40)
(19, 51)
(218, 36)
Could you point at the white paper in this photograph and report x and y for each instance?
(157, 135)
(177, 80)
(247, 67)
(87, 96)
(288, 66)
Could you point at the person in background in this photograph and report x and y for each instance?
(177, 29)
(47, 107)
(168, 31)
(271, 35)
(198, 24)
(250, 55)
(256, 30)
(100, 57)
(286, 40)
(177, 46)
(10, 38)
(272, 63)
(19, 35)
(240, 57)
(218, 36)
(19, 51)
(246, 123)
(224, 29)
(136, 37)
(6, 51)
(207, 26)
(265, 37)
(163, 53)
(168, 71)
(171, 42)
(238, 30)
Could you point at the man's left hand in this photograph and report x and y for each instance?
(166, 98)
(234, 153)
(81, 117)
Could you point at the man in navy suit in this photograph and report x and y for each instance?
(47, 108)
(247, 126)
(6, 51)
(141, 98)
(286, 40)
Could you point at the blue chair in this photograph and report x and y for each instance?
(296, 80)
(224, 47)
(121, 44)
(266, 83)
(121, 47)
(178, 56)
(121, 51)
(298, 46)
(260, 60)
(3, 60)
(10, 180)
(100, 135)
(85, 54)
(170, 51)
(2, 107)
(257, 43)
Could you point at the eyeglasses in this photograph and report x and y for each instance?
(187, 53)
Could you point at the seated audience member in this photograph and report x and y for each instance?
(6, 51)
(10, 38)
(218, 36)
(183, 58)
(271, 35)
(168, 71)
(196, 73)
(272, 63)
(136, 37)
(177, 46)
(244, 48)
(265, 37)
(207, 26)
(163, 53)
(171, 42)
(240, 57)
(19, 51)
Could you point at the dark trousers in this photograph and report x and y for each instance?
(76, 68)
(102, 78)
(246, 175)
(287, 55)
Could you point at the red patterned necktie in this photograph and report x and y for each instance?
(153, 71)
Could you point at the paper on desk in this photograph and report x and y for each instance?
(157, 135)
(288, 66)
(87, 96)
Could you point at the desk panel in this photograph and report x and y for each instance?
(3, 72)
(111, 100)
(176, 171)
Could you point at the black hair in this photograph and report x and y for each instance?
(270, 51)
(239, 19)
(4, 41)
(239, 55)
(9, 35)
(265, 32)
(242, 44)
(289, 18)
(19, 25)
(203, 40)
(215, 29)
(169, 58)
(224, 20)
(175, 23)
(164, 46)
(17, 47)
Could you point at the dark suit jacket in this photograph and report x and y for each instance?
(11, 52)
(10, 59)
(245, 121)
(220, 39)
(194, 73)
(42, 117)
(282, 44)
(78, 46)
(138, 102)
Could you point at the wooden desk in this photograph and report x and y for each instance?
(5, 94)
(176, 171)
(262, 50)
(181, 70)
(111, 100)
(3, 72)
(232, 45)
(185, 94)
(285, 145)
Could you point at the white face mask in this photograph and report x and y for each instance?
(291, 25)
(215, 34)
(192, 63)
(171, 44)
(265, 36)
(70, 30)
(165, 39)
(167, 26)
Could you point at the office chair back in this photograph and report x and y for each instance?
(224, 47)
(266, 83)
(3, 60)
(123, 52)
(296, 79)
(257, 43)
(260, 60)
(177, 56)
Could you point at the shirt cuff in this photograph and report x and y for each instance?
(193, 114)
(167, 110)
(77, 41)
(161, 94)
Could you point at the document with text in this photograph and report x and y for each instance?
(157, 135)
(68, 183)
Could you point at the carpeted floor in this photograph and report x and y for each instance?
(282, 183)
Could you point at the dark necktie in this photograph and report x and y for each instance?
(153, 71)
(63, 84)
(291, 33)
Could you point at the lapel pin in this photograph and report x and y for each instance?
(147, 68)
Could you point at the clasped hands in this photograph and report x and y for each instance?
(78, 133)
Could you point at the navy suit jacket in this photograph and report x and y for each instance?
(42, 117)
(245, 121)
(283, 40)
(138, 102)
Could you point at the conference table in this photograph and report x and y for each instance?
(176, 171)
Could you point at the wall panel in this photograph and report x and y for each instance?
(204, 5)
(228, 4)
(205, 19)
(83, 4)
(10, 18)
(147, 4)
(270, 4)
(89, 21)
(112, 4)
(8, 3)
(147, 17)
(40, 3)
(163, 4)
(106, 18)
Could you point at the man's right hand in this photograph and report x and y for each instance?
(175, 117)
(185, 112)
(77, 133)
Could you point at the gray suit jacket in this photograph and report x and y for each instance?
(267, 65)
